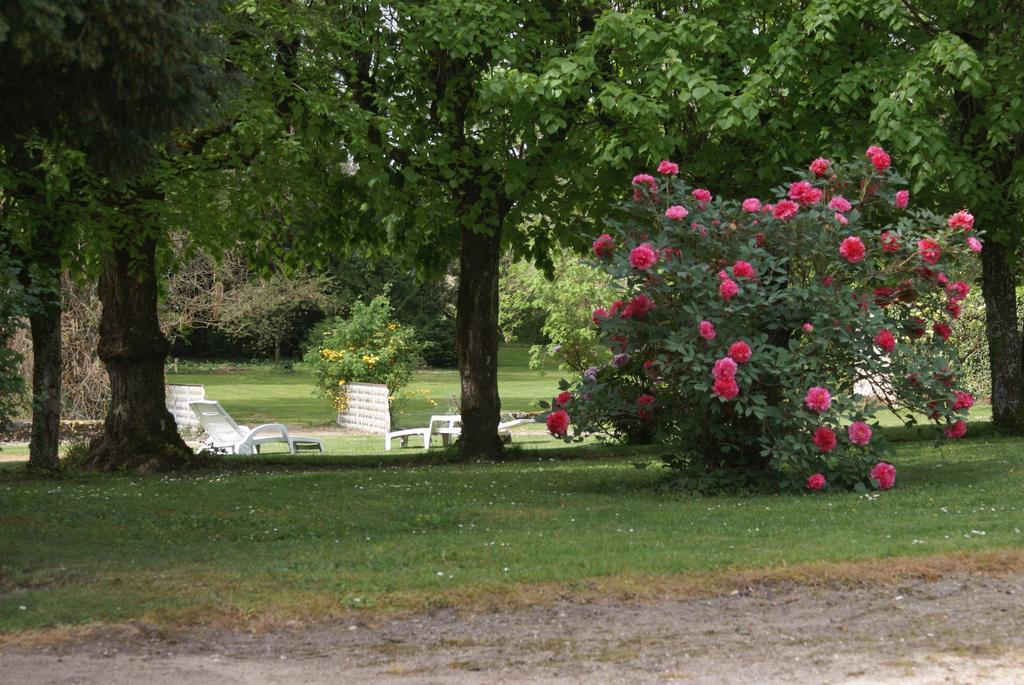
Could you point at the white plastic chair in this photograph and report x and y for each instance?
(227, 435)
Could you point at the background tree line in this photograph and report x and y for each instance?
(306, 132)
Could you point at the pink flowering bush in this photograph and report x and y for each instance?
(741, 331)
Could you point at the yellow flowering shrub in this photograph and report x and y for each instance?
(365, 347)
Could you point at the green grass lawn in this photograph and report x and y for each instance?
(255, 393)
(256, 539)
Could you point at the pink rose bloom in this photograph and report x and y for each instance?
(702, 195)
(644, 181)
(739, 352)
(558, 423)
(804, 193)
(742, 269)
(963, 220)
(964, 400)
(929, 250)
(824, 438)
(974, 244)
(599, 316)
(958, 290)
(956, 431)
(881, 161)
(707, 330)
(884, 474)
(752, 205)
(643, 256)
(638, 308)
(841, 219)
(840, 204)
(726, 388)
(785, 209)
(724, 368)
(890, 242)
(668, 168)
(645, 406)
(818, 399)
(942, 330)
(902, 199)
(563, 398)
(676, 212)
(859, 433)
(885, 340)
(815, 482)
(728, 289)
(808, 327)
(852, 249)
(819, 167)
(872, 151)
(722, 275)
(604, 246)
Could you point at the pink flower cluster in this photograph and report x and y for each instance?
(668, 168)
(638, 307)
(955, 431)
(752, 205)
(604, 246)
(820, 166)
(902, 199)
(818, 399)
(852, 249)
(816, 482)
(825, 439)
(929, 250)
(641, 181)
(859, 433)
(804, 193)
(785, 209)
(558, 423)
(963, 220)
(645, 406)
(707, 330)
(884, 474)
(885, 340)
(840, 204)
(643, 256)
(879, 157)
(890, 242)
(742, 269)
(724, 374)
(676, 213)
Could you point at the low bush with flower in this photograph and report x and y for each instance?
(366, 347)
(744, 326)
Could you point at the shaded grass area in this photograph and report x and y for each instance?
(316, 536)
(258, 393)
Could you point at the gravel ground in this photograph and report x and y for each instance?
(962, 628)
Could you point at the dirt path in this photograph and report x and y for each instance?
(959, 629)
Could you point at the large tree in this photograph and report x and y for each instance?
(109, 79)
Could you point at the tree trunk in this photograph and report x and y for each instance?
(1004, 338)
(44, 322)
(139, 434)
(476, 326)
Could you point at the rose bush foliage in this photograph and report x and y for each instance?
(743, 326)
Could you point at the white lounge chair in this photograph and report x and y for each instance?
(450, 426)
(227, 435)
